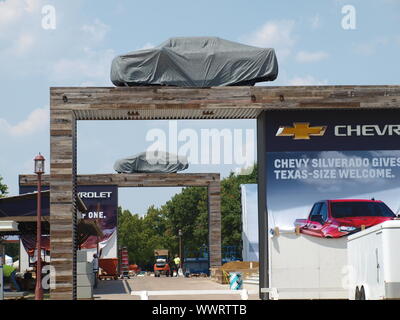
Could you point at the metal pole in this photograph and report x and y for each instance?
(38, 288)
(98, 240)
(262, 206)
(2, 256)
(180, 249)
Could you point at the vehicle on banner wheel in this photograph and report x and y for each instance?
(337, 218)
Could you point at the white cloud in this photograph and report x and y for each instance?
(315, 21)
(97, 30)
(19, 25)
(24, 42)
(32, 5)
(88, 84)
(305, 56)
(147, 45)
(37, 120)
(330, 185)
(371, 48)
(385, 153)
(276, 34)
(306, 81)
(19, 45)
(92, 68)
(12, 11)
(367, 49)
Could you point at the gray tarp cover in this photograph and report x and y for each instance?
(195, 62)
(152, 162)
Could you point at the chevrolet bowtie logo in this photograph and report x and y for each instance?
(301, 131)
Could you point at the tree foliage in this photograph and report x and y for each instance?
(3, 188)
(186, 211)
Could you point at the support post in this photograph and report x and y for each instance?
(38, 288)
(262, 206)
(2, 262)
(62, 202)
(214, 222)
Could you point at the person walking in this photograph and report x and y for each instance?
(10, 272)
(177, 262)
(95, 263)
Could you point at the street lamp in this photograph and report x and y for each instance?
(180, 233)
(39, 170)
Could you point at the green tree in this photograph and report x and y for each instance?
(231, 207)
(186, 211)
(3, 188)
(130, 234)
(142, 235)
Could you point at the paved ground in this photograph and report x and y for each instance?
(120, 289)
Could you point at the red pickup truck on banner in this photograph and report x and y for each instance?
(337, 218)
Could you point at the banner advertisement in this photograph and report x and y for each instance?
(332, 173)
(102, 205)
(329, 174)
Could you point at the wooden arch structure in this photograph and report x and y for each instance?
(209, 180)
(71, 104)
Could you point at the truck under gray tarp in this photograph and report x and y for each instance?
(195, 62)
(152, 162)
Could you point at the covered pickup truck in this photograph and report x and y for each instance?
(337, 218)
(200, 62)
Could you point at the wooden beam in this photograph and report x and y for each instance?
(62, 203)
(24, 218)
(134, 179)
(214, 223)
(108, 103)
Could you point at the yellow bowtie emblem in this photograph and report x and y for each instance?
(301, 131)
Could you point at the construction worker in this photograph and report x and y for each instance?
(9, 272)
(177, 262)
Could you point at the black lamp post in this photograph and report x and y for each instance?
(180, 233)
(39, 170)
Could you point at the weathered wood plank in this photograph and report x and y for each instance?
(170, 102)
(24, 218)
(62, 181)
(214, 221)
(62, 206)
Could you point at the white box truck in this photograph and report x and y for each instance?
(374, 262)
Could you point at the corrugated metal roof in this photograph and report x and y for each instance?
(167, 114)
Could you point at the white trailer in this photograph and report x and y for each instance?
(307, 267)
(374, 262)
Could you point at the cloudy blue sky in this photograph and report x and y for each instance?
(312, 48)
